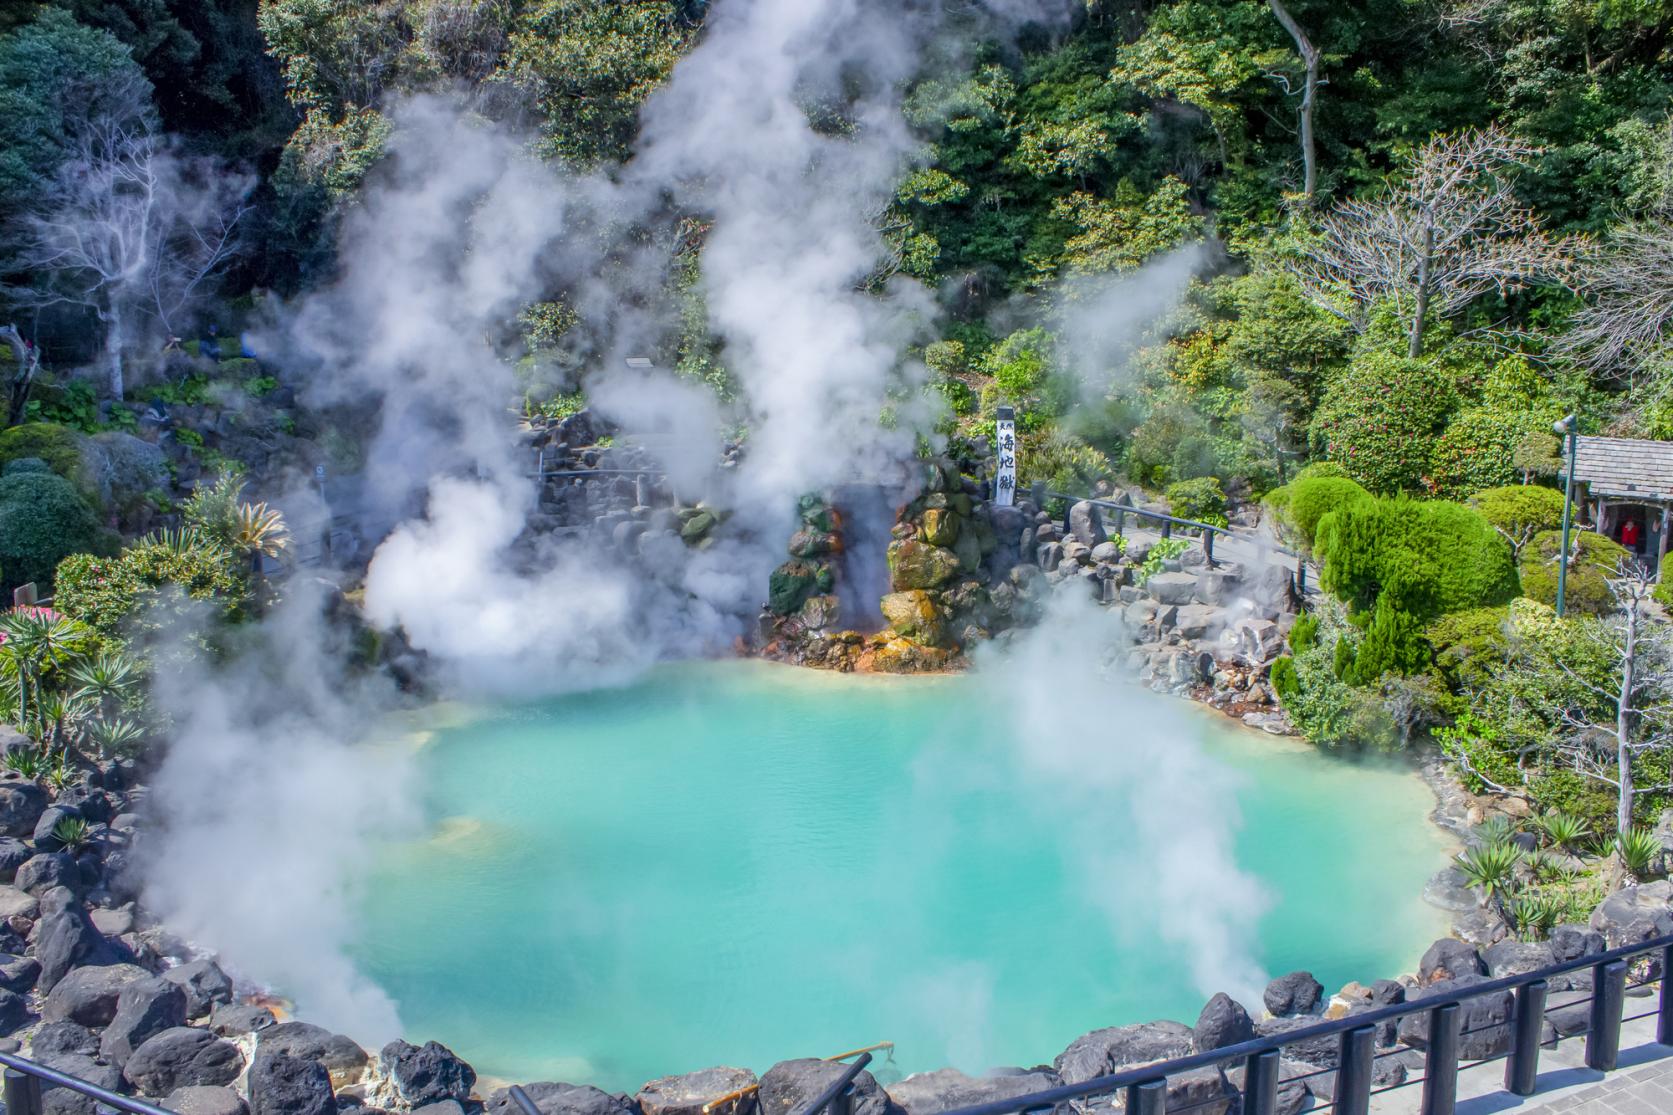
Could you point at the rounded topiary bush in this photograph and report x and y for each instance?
(1301, 503)
(43, 520)
(1429, 557)
(1593, 560)
(58, 446)
(1520, 511)
(1199, 500)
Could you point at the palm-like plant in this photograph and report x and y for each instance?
(25, 761)
(1563, 830)
(259, 529)
(34, 642)
(1491, 868)
(59, 715)
(1640, 851)
(72, 832)
(114, 736)
(60, 775)
(1497, 829)
(108, 680)
(1533, 915)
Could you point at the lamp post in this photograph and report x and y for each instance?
(1570, 428)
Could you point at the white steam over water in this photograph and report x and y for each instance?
(268, 808)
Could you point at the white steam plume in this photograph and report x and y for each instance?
(1157, 818)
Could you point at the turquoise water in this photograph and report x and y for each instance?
(737, 863)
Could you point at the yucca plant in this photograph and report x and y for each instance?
(1497, 829)
(1563, 830)
(72, 832)
(25, 761)
(1533, 915)
(60, 775)
(1640, 851)
(108, 680)
(179, 540)
(115, 736)
(259, 529)
(1491, 868)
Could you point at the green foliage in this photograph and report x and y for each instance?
(1563, 830)
(1491, 867)
(1286, 683)
(1330, 712)
(25, 761)
(150, 580)
(57, 445)
(1664, 587)
(1063, 461)
(72, 833)
(1428, 558)
(1393, 643)
(1380, 419)
(43, 519)
(1534, 915)
(1593, 560)
(1301, 504)
(1164, 550)
(1199, 500)
(1305, 631)
(1640, 851)
(1470, 645)
(1520, 511)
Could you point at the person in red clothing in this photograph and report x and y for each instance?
(1629, 534)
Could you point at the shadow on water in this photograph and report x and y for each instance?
(866, 511)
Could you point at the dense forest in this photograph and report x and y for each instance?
(1407, 236)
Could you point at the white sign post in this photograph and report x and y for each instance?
(1005, 447)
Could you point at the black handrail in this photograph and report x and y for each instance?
(22, 1089)
(521, 1099)
(1603, 1030)
(840, 1087)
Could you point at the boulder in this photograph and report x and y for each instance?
(1103, 1051)
(342, 1058)
(1106, 553)
(1292, 1092)
(1324, 1052)
(88, 995)
(232, 1019)
(1634, 915)
(14, 1012)
(913, 614)
(112, 922)
(1172, 588)
(562, 1099)
(204, 983)
(928, 1093)
(1196, 621)
(1572, 942)
(1086, 523)
(61, 1039)
(426, 1074)
(144, 1009)
(14, 853)
(50, 816)
(63, 940)
(1448, 959)
(205, 1100)
(16, 903)
(1516, 958)
(57, 1100)
(939, 527)
(182, 1057)
(789, 1086)
(1217, 586)
(41, 873)
(1223, 1022)
(280, 1084)
(21, 805)
(1448, 890)
(916, 564)
(1296, 993)
(18, 973)
(1484, 1020)
(686, 1094)
(1480, 927)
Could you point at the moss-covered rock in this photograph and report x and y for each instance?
(697, 527)
(939, 527)
(793, 582)
(810, 543)
(914, 614)
(903, 656)
(816, 513)
(916, 564)
(820, 611)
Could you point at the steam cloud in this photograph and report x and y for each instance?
(266, 804)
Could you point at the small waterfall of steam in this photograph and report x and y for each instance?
(866, 512)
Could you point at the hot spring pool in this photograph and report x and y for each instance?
(737, 863)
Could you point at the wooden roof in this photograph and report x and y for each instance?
(1618, 466)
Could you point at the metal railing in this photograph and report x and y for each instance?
(1169, 522)
(23, 1081)
(1145, 1089)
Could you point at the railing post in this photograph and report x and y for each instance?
(1260, 1083)
(1120, 522)
(22, 1093)
(1440, 1063)
(1300, 576)
(1522, 1068)
(1149, 1097)
(1039, 493)
(1167, 528)
(1353, 1076)
(843, 1102)
(1603, 1036)
(1208, 547)
(1664, 1020)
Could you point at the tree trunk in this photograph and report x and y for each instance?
(114, 340)
(1415, 348)
(1310, 58)
(28, 360)
(1623, 723)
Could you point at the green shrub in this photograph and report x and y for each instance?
(1285, 682)
(1593, 560)
(24, 465)
(1520, 511)
(1428, 557)
(1479, 449)
(1319, 470)
(1199, 500)
(1664, 590)
(1565, 791)
(1305, 632)
(1379, 419)
(1301, 503)
(1393, 643)
(58, 446)
(1469, 645)
(42, 521)
(112, 595)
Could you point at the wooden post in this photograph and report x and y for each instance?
(1440, 1062)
